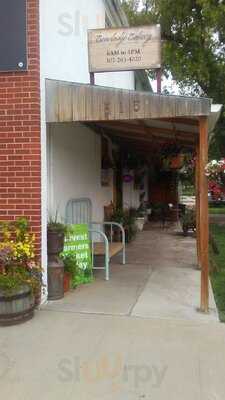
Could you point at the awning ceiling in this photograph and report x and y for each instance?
(129, 115)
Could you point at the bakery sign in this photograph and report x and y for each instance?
(124, 49)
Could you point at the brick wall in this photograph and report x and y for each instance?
(20, 164)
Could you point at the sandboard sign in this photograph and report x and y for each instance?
(77, 242)
(124, 49)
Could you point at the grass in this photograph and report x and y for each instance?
(217, 210)
(218, 274)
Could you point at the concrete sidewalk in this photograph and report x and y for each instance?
(137, 336)
(60, 355)
(160, 280)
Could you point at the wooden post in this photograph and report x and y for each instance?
(92, 78)
(204, 214)
(159, 80)
(197, 193)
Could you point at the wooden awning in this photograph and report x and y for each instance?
(145, 117)
(128, 114)
(72, 102)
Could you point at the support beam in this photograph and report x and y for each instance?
(182, 121)
(92, 78)
(138, 129)
(150, 139)
(197, 194)
(159, 80)
(204, 213)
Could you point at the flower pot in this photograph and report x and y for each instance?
(55, 242)
(67, 282)
(139, 222)
(177, 162)
(17, 306)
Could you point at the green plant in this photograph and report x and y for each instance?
(55, 226)
(127, 219)
(218, 272)
(8, 283)
(70, 265)
(78, 276)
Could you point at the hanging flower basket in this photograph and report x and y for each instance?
(177, 162)
(173, 162)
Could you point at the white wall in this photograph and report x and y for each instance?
(64, 56)
(131, 197)
(74, 168)
(64, 49)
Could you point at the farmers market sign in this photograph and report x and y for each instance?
(78, 243)
(124, 49)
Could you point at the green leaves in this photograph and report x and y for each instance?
(193, 33)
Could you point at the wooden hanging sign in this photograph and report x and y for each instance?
(124, 49)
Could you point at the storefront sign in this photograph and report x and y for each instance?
(123, 49)
(78, 242)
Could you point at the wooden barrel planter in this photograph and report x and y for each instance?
(17, 306)
(55, 265)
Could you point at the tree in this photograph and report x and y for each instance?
(193, 33)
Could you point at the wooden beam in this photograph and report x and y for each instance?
(92, 78)
(204, 213)
(146, 147)
(159, 80)
(197, 194)
(148, 130)
(182, 121)
(144, 138)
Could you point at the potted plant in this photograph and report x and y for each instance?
(20, 275)
(172, 156)
(70, 270)
(139, 218)
(56, 235)
(177, 161)
(127, 219)
(140, 221)
(55, 241)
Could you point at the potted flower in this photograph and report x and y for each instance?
(70, 270)
(55, 242)
(177, 161)
(20, 275)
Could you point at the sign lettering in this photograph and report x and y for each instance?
(124, 49)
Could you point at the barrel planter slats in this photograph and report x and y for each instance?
(17, 306)
(55, 265)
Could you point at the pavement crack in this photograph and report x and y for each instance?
(142, 288)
